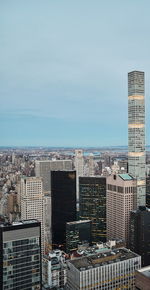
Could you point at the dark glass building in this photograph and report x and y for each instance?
(77, 232)
(63, 204)
(20, 255)
(92, 203)
(140, 234)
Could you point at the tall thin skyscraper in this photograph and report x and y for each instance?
(136, 133)
(140, 218)
(79, 167)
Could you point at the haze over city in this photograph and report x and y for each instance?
(63, 72)
(74, 162)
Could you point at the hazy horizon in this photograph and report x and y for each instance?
(63, 73)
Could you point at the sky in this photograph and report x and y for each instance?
(63, 70)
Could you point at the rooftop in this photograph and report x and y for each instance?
(23, 222)
(145, 271)
(104, 258)
(126, 176)
(78, 222)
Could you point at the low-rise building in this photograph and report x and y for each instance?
(142, 279)
(54, 270)
(110, 269)
(77, 232)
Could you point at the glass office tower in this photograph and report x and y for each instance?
(140, 234)
(92, 202)
(63, 204)
(77, 232)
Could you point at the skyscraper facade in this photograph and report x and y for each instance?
(121, 189)
(92, 203)
(140, 233)
(43, 168)
(77, 232)
(32, 202)
(136, 133)
(63, 204)
(20, 255)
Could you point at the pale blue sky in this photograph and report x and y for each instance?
(63, 70)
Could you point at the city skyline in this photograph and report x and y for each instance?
(64, 71)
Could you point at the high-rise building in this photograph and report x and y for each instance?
(77, 232)
(110, 269)
(92, 204)
(91, 164)
(63, 204)
(43, 168)
(32, 202)
(121, 190)
(20, 255)
(140, 218)
(79, 167)
(136, 133)
(140, 234)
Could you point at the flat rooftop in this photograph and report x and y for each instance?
(23, 222)
(126, 176)
(78, 222)
(145, 271)
(104, 258)
(51, 161)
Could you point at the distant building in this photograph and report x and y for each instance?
(123, 164)
(43, 168)
(79, 167)
(140, 234)
(20, 255)
(136, 133)
(92, 204)
(142, 279)
(77, 232)
(54, 270)
(121, 190)
(115, 168)
(63, 204)
(91, 164)
(32, 202)
(110, 269)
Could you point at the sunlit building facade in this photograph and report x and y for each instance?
(32, 202)
(121, 189)
(136, 133)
